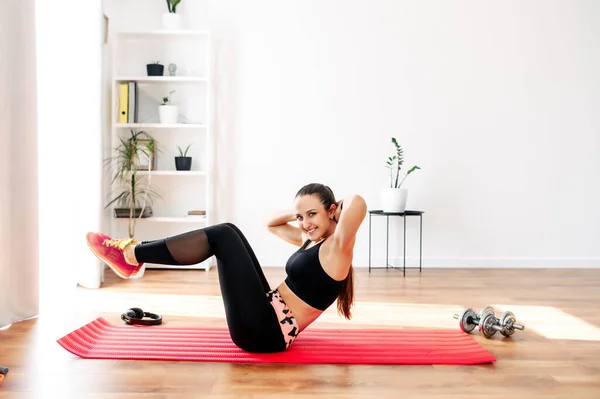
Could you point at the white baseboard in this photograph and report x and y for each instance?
(450, 262)
(463, 262)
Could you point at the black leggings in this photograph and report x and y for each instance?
(253, 324)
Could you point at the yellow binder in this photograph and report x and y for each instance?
(123, 102)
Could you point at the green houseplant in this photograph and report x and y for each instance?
(134, 154)
(393, 198)
(183, 162)
(171, 20)
(172, 5)
(167, 111)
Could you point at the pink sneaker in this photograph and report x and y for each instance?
(111, 252)
(136, 268)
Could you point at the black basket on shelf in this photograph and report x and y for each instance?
(123, 213)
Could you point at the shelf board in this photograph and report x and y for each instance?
(177, 219)
(175, 173)
(161, 125)
(159, 79)
(171, 219)
(162, 33)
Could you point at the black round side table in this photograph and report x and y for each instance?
(403, 215)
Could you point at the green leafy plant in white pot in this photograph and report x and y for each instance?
(167, 111)
(393, 198)
(133, 164)
(171, 20)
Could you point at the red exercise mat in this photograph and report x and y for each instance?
(103, 340)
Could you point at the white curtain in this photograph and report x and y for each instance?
(19, 226)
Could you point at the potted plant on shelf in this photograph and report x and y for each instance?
(183, 162)
(393, 198)
(134, 155)
(167, 111)
(171, 20)
(155, 69)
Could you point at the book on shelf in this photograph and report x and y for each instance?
(128, 102)
(196, 212)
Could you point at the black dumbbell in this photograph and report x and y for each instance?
(469, 319)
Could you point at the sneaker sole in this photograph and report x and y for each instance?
(114, 269)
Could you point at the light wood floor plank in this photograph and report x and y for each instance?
(555, 357)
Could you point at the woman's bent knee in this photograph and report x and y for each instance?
(224, 226)
(233, 226)
(220, 233)
(221, 228)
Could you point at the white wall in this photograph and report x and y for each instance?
(496, 102)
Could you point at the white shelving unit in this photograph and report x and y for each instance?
(181, 191)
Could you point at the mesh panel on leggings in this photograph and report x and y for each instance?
(189, 248)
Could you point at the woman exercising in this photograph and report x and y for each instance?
(261, 319)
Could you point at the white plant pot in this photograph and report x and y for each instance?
(393, 199)
(171, 21)
(90, 274)
(168, 113)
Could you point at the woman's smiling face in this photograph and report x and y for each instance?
(312, 217)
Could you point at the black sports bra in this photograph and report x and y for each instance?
(307, 279)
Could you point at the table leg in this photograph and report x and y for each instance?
(420, 242)
(404, 257)
(387, 239)
(369, 243)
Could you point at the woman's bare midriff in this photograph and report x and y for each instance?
(304, 314)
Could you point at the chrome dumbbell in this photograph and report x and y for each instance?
(469, 319)
(488, 326)
(506, 325)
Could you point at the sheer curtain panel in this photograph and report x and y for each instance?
(19, 271)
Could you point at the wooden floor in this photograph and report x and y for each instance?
(555, 357)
